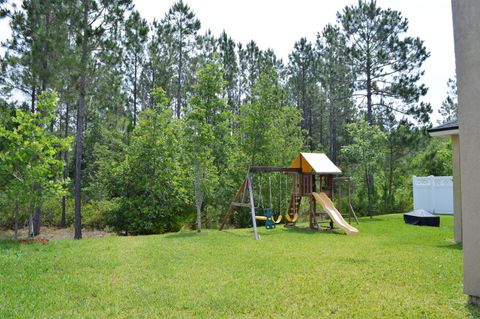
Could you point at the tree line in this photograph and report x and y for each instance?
(145, 127)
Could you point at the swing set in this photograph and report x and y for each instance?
(308, 172)
(269, 212)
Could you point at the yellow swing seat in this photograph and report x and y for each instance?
(290, 219)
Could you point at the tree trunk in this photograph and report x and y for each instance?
(369, 92)
(390, 175)
(135, 92)
(37, 220)
(370, 122)
(199, 219)
(15, 226)
(63, 221)
(31, 233)
(199, 176)
(310, 126)
(369, 180)
(320, 126)
(179, 82)
(80, 124)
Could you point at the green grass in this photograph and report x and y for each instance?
(389, 270)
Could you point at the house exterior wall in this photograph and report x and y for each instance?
(457, 189)
(466, 25)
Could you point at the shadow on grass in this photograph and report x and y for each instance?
(181, 235)
(456, 246)
(376, 218)
(474, 310)
(307, 230)
(8, 244)
(236, 234)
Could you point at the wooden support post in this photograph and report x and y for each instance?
(348, 203)
(340, 204)
(313, 207)
(232, 205)
(252, 207)
(350, 208)
(244, 192)
(330, 184)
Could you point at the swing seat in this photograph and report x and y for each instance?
(279, 219)
(260, 217)
(290, 219)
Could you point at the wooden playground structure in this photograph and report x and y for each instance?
(312, 176)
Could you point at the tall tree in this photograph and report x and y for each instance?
(267, 122)
(335, 77)
(28, 156)
(36, 56)
(96, 17)
(207, 128)
(403, 139)
(226, 49)
(365, 153)
(152, 181)
(387, 63)
(182, 26)
(136, 37)
(160, 63)
(449, 108)
(301, 69)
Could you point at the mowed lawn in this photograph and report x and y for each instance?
(389, 270)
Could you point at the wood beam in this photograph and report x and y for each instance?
(272, 169)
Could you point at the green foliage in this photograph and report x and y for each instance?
(365, 153)
(449, 108)
(29, 156)
(234, 104)
(387, 63)
(270, 132)
(207, 132)
(150, 181)
(435, 159)
(179, 28)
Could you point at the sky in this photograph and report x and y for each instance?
(278, 24)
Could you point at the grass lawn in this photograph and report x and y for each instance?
(389, 270)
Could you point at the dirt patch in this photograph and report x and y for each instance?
(48, 233)
(33, 240)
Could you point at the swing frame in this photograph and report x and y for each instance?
(247, 187)
(312, 174)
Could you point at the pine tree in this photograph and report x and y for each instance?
(4, 11)
(36, 56)
(269, 123)
(386, 62)
(302, 83)
(96, 17)
(226, 49)
(449, 108)
(136, 37)
(336, 80)
(181, 27)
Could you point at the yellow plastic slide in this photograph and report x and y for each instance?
(334, 214)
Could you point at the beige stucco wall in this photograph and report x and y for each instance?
(466, 22)
(457, 188)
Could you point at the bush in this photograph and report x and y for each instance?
(132, 218)
(94, 213)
